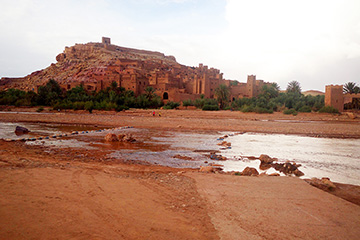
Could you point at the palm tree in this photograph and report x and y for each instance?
(350, 87)
(294, 87)
(222, 94)
(150, 93)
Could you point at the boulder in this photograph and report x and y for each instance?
(21, 130)
(249, 171)
(298, 173)
(324, 184)
(329, 184)
(351, 115)
(265, 166)
(60, 57)
(265, 159)
(110, 137)
(126, 138)
(208, 169)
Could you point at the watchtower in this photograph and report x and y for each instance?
(106, 40)
(334, 97)
(250, 86)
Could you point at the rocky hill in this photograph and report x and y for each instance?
(80, 63)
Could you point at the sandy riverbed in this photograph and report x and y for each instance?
(78, 194)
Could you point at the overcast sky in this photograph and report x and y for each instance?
(315, 42)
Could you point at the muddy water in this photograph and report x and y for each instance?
(338, 159)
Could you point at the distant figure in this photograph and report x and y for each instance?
(159, 114)
(153, 113)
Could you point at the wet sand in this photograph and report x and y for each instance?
(79, 194)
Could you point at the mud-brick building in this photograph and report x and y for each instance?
(335, 98)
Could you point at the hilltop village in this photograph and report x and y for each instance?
(96, 65)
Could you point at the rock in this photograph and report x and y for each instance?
(182, 157)
(351, 115)
(214, 156)
(224, 144)
(274, 175)
(329, 184)
(126, 138)
(110, 137)
(60, 57)
(249, 171)
(323, 184)
(208, 169)
(21, 130)
(265, 158)
(265, 166)
(298, 173)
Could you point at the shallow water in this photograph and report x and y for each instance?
(7, 130)
(338, 159)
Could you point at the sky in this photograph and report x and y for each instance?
(315, 42)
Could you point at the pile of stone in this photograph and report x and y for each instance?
(111, 137)
(287, 168)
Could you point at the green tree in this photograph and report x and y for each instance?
(50, 93)
(293, 87)
(150, 93)
(350, 87)
(269, 91)
(222, 94)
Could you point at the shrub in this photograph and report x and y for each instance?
(188, 102)
(121, 107)
(247, 108)
(78, 105)
(207, 107)
(328, 109)
(89, 106)
(40, 109)
(305, 109)
(262, 110)
(290, 111)
(171, 105)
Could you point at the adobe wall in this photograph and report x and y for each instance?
(334, 97)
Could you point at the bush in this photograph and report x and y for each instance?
(171, 105)
(188, 102)
(119, 108)
(290, 111)
(305, 109)
(40, 109)
(247, 108)
(262, 110)
(89, 106)
(78, 105)
(328, 109)
(207, 107)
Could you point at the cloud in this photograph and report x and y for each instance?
(278, 38)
